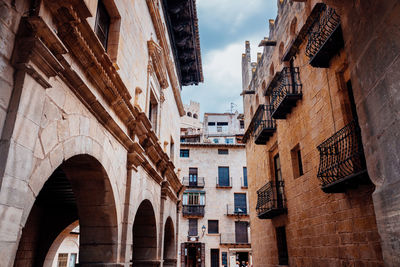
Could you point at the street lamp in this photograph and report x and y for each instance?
(203, 229)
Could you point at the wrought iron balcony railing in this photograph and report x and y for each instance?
(193, 210)
(264, 124)
(271, 200)
(234, 238)
(232, 210)
(286, 92)
(191, 182)
(342, 162)
(325, 37)
(223, 182)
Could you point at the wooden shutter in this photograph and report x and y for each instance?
(193, 227)
(223, 176)
(213, 226)
(241, 232)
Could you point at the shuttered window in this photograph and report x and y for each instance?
(223, 176)
(213, 226)
(193, 227)
(102, 24)
(240, 203)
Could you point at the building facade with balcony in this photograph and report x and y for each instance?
(89, 122)
(310, 194)
(214, 216)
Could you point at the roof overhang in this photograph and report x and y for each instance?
(182, 22)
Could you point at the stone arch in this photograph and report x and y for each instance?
(144, 241)
(79, 189)
(169, 243)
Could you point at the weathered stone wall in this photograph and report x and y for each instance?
(322, 229)
(76, 99)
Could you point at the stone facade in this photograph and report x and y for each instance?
(90, 134)
(208, 201)
(288, 141)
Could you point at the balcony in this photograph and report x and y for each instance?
(235, 239)
(342, 162)
(325, 37)
(235, 211)
(270, 200)
(264, 124)
(224, 182)
(193, 210)
(196, 183)
(286, 92)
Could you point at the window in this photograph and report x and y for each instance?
(241, 232)
(223, 176)
(297, 163)
(211, 123)
(193, 227)
(241, 124)
(240, 203)
(192, 176)
(153, 112)
(245, 176)
(193, 198)
(72, 260)
(195, 116)
(223, 123)
(215, 141)
(184, 153)
(102, 24)
(224, 259)
(219, 129)
(223, 151)
(229, 140)
(213, 227)
(214, 257)
(283, 255)
(62, 259)
(189, 114)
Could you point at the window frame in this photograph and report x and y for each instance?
(216, 225)
(182, 153)
(222, 151)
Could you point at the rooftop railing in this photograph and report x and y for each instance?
(342, 162)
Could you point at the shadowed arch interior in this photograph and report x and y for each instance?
(169, 242)
(144, 236)
(78, 189)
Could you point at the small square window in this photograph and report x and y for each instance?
(223, 151)
(213, 227)
(184, 153)
(211, 123)
(215, 141)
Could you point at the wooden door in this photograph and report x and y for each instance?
(214, 257)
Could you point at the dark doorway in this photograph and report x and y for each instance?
(214, 257)
(242, 258)
(192, 254)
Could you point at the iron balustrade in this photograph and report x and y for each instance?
(342, 160)
(232, 238)
(270, 200)
(223, 183)
(324, 38)
(232, 210)
(264, 124)
(186, 181)
(287, 91)
(193, 210)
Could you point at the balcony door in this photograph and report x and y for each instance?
(223, 176)
(193, 176)
(241, 232)
(278, 181)
(240, 203)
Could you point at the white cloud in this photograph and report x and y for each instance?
(222, 78)
(232, 12)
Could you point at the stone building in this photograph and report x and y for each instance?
(90, 109)
(321, 116)
(213, 225)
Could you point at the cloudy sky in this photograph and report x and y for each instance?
(224, 27)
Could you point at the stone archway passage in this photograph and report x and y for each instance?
(145, 237)
(169, 244)
(79, 189)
